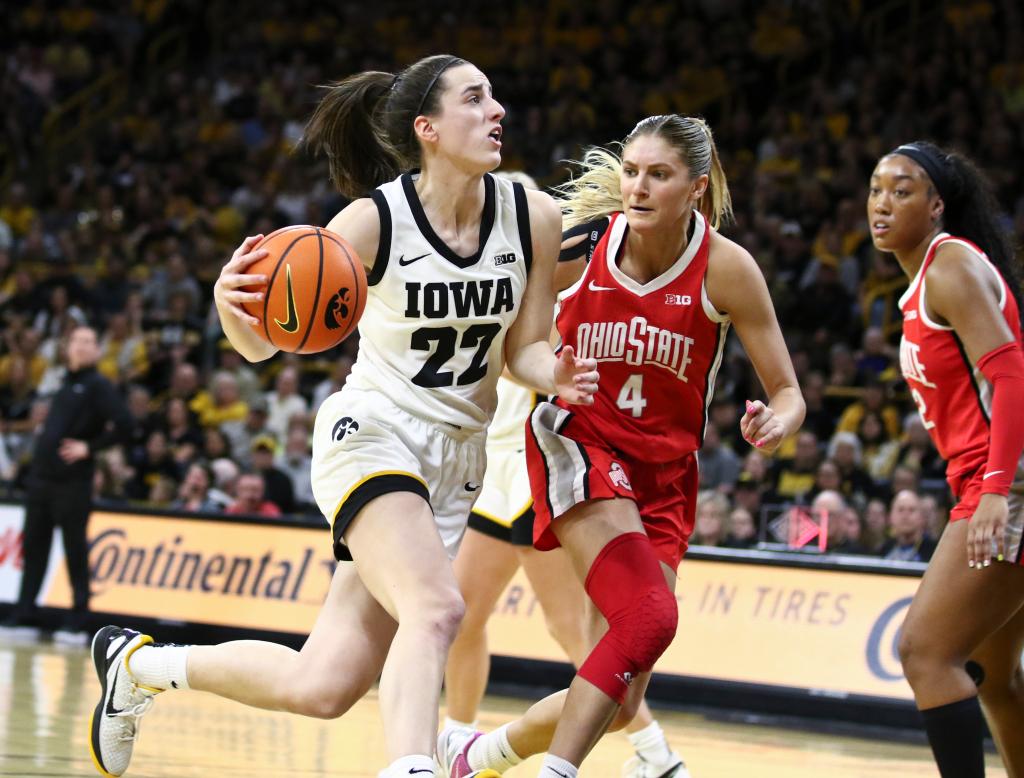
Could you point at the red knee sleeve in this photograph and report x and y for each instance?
(628, 587)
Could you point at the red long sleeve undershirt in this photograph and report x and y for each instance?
(1004, 368)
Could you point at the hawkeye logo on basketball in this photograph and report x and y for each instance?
(635, 343)
(504, 259)
(336, 311)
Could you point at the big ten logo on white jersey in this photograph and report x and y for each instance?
(434, 327)
(636, 343)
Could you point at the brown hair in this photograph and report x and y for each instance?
(364, 123)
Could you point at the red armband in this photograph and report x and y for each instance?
(1004, 369)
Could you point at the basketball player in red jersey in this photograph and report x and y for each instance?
(961, 358)
(615, 483)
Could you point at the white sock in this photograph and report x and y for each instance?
(160, 667)
(556, 767)
(450, 723)
(493, 751)
(650, 743)
(409, 765)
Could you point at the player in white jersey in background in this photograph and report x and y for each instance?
(460, 270)
(499, 541)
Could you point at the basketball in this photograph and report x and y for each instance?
(315, 292)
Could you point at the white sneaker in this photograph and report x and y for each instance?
(114, 723)
(672, 767)
(453, 754)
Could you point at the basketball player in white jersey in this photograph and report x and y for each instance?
(460, 270)
(500, 540)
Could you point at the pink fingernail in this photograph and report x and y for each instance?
(750, 407)
(759, 443)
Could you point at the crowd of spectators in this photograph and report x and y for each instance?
(127, 226)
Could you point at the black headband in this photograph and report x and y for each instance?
(451, 61)
(932, 162)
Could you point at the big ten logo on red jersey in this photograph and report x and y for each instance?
(636, 343)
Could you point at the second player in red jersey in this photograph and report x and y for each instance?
(615, 483)
(961, 357)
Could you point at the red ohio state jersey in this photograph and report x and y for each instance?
(952, 395)
(658, 346)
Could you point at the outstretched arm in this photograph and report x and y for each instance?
(528, 353)
(735, 286)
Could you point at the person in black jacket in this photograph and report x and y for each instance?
(86, 415)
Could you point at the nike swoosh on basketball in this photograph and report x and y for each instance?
(414, 770)
(989, 475)
(469, 486)
(403, 261)
(292, 324)
(595, 288)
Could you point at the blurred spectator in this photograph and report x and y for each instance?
(742, 530)
(878, 450)
(843, 533)
(194, 492)
(295, 461)
(249, 500)
(845, 450)
(918, 453)
(248, 382)
(874, 399)
(155, 462)
(242, 434)
(793, 478)
(876, 526)
(719, 466)
(224, 403)
(277, 485)
(907, 539)
(284, 402)
(225, 480)
(711, 524)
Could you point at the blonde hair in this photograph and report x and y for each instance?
(596, 191)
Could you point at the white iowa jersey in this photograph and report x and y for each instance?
(508, 429)
(432, 336)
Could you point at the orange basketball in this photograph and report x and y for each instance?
(315, 293)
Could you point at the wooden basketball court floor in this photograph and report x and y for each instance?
(48, 691)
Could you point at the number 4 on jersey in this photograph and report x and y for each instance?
(631, 396)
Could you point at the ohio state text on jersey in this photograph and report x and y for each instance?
(658, 345)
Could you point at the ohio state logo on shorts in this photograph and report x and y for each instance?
(618, 476)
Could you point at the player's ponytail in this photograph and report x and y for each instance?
(972, 211)
(716, 204)
(593, 193)
(364, 124)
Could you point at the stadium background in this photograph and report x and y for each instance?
(141, 142)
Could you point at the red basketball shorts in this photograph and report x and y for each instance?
(569, 463)
(966, 485)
